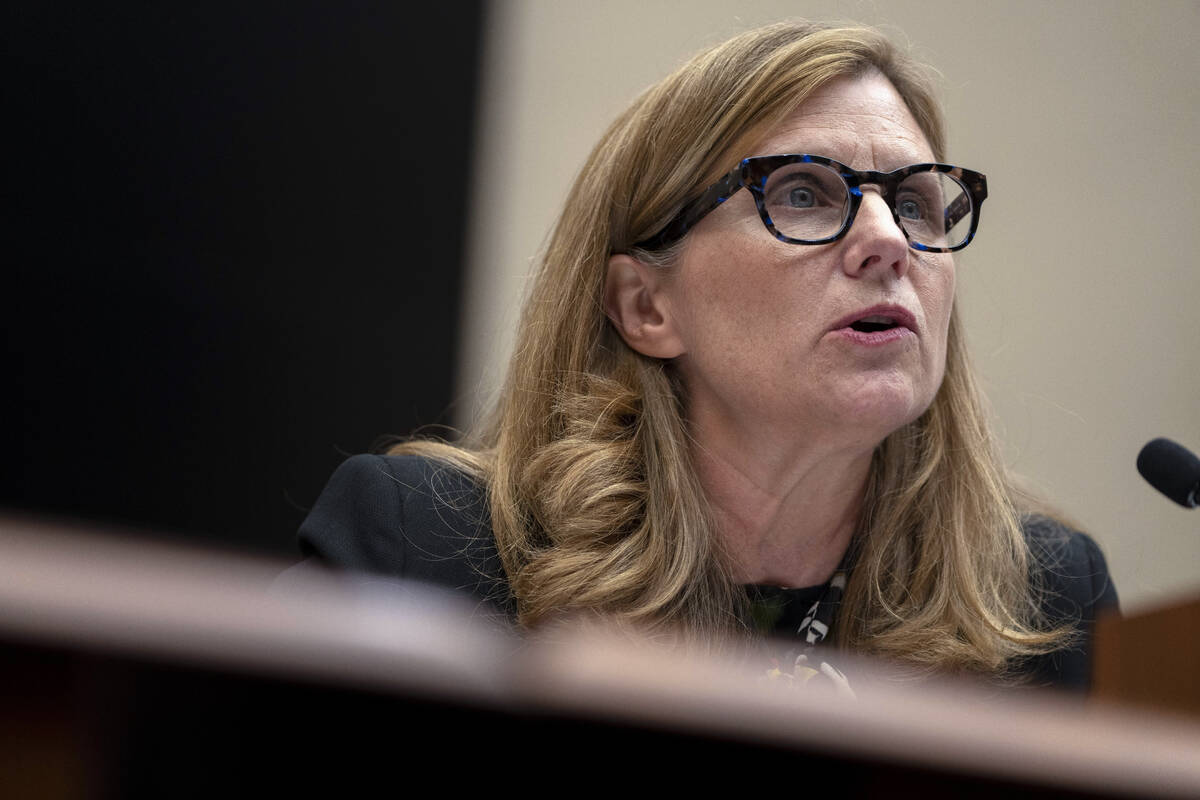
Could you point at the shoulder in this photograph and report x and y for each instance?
(406, 517)
(1071, 580)
(1069, 568)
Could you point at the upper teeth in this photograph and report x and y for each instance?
(876, 318)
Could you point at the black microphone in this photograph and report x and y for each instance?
(1172, 469)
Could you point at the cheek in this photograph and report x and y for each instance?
(933, 276)
(947, 300)
(937, 300)
(731, 290)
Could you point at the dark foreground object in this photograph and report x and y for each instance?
(130, 670)
(80, 724)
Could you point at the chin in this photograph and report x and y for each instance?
(880, 413)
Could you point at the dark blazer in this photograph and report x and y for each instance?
(412, 518)
(409, 517)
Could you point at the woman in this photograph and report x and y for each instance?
(740, 392)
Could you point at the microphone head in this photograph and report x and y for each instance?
(1172, 469)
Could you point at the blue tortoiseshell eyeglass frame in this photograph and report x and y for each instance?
(752, 173)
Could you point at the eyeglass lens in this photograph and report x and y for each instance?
(811, 201)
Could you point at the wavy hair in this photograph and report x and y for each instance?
(595, 504)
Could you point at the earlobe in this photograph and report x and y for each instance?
(639, 309)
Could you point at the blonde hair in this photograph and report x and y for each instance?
(595, 505)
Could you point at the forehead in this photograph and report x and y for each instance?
(862, 122)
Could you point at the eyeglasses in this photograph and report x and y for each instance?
(805, 199)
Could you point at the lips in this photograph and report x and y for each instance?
(876, 326)
(878, 319)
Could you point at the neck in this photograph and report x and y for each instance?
(786, 518)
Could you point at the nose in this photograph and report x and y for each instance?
(875, 239)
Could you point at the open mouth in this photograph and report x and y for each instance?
(878, 324)
(873, 324)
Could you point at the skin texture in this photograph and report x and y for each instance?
(783, 407)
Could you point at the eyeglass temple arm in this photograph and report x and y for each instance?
(692, 213)
(958, 208)
(968, 201)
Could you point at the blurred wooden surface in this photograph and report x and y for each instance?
(132, 668)
(1151, 659)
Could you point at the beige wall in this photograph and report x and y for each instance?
(1081, 293)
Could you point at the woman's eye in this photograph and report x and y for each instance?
(802, 197)
(909, 208)
(805, 187)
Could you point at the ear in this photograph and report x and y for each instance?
(635, 301)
